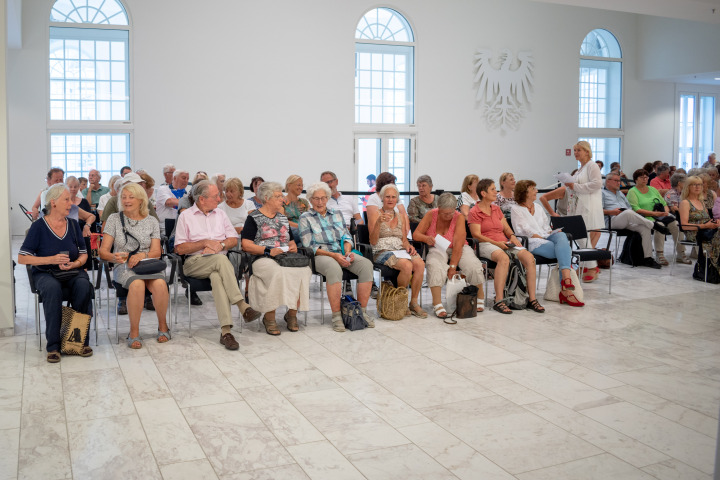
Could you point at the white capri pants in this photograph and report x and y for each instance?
(437, 266)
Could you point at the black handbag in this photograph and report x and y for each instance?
(352, 314)
(292, 260)
(146, 266)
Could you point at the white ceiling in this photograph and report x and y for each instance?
(699, 10)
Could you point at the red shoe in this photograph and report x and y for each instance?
(569, 298)
(590, 274)
(567, 284)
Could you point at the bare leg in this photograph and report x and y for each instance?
(135, 304)
(418, 268)
(501, 272)
(333, 292)
(160, 299)
(363, 293)
(528, 261)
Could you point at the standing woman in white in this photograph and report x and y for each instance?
(586, 200)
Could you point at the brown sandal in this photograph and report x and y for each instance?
(53, 357)
(292, 322)
(270, 326)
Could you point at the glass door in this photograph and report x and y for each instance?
(383, 152)
(696, 129)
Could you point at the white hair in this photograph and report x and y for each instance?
(318, 186)
(167, 167)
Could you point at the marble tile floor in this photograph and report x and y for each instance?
(626, 388)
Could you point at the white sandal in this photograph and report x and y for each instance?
(480, 305)
(440, 311)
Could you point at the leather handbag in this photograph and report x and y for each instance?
(146, 266)
(297, 260)
(467, 302)
(352, 314)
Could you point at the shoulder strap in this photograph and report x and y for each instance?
(125, 231)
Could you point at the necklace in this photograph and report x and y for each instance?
(388, 213)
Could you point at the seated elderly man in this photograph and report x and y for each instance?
(94, 190)
(205, 234)
(54, 176)
(711, 161)
(662, 181)
(346, 205)
(167, 197)
(324, 230)
(615, 205)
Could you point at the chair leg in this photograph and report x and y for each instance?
(189, 292)
(539, 273)
(117, 335)
(37, 322)
(322, 302)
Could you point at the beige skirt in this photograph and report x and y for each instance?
(272, 286)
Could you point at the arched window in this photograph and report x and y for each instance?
(384, 68)
(384, 95)
(600, 95)
(89, 69)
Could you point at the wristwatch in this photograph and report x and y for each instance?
(222, 244)
(454, 267)
(267, 251)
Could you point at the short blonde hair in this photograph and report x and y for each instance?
(467, 181)
(504, 177)
(138, 192)
(290, 180)
(235, 183)
(585, 146)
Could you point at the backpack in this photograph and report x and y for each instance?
(515, 292)
(632, 252)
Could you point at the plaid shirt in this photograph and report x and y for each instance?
(327, 232)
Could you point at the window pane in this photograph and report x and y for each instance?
(706, 128)
(78, 153)
(92, 69)
(686, 132)
(600, 94)
(109, 12)
(607, 150)
(384, 24)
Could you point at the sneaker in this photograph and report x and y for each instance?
(369, 319)
(374, 292)
(661, 259)
(651, 263)
(229, 341)
(122, 307)
(149, 303)
(194, 299)
(683, 259)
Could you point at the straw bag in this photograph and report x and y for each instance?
(393, 301)
(73, 331)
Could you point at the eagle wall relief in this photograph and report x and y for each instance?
(504, 87)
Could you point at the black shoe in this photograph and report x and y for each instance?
(122, 307)
(194, 299)
(149, 303)
(651, 263)
(661, 228)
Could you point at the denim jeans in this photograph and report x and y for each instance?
(77, 290)
(558, 247)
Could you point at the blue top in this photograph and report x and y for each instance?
(324, 231)
(611, 201)
(41, 241)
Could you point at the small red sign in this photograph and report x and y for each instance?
(567, 152)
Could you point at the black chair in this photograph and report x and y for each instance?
(574, 227)
(619, 232)
(66, 298)
(697, 243)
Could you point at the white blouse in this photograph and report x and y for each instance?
(527, 224)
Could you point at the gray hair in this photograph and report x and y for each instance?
(425, 179)
(694, 172)
(389, 185)
(447, 201)
(318, 186)
(54, 193)
(662, 168)
(328, 172)
(677, 178)
(167, 167)
(613, 173)
(178, 172)
(71, 179)
(113, 181)
(267, 189)
(201, 189)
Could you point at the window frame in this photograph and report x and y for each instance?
(604, 132)
(91, 127)
(696, 91)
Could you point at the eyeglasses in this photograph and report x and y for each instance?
(278, 197)
(319, 199)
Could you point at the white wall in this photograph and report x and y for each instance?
(267, 88)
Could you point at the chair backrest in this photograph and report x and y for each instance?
(573, 224)
(33, 289)
(169, 225)
(363, 234)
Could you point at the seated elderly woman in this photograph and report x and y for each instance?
(643, 198)
(424, 202)
(323, 230)
(375, 202)
(490, 227)
(266, 234)
(448, 223)
(506, 196)
(135, 235)
(388, 236)
(693, 212)
(529, 220)
(55, 248)
(237, 209)
(672, 197)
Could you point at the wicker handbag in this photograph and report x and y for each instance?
(73, 331)
(393, 301)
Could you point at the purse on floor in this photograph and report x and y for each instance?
(552, 289)
(393, 301)
(74, 330)
(352, 314)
